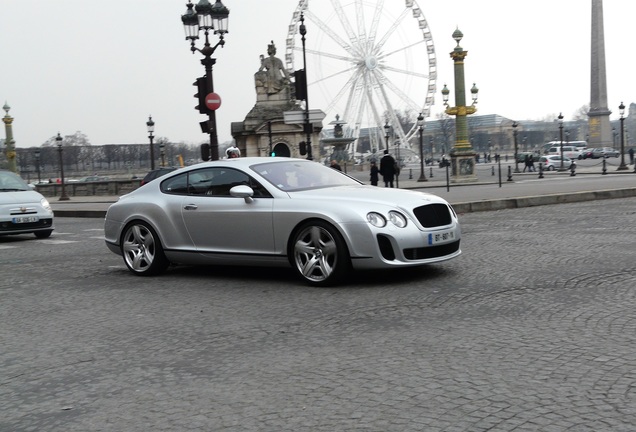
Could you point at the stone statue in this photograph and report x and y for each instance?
(272, 75)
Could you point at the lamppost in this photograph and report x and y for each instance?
(430, 141)
(387, 129)
(560, 118)
(37, 163)
(514, 135)
(151, 128)
(303, 31)
(207, 17)
(398, 164)
(161, 150)
(621, 110)
(462, 153)
(58, 140)
(420, 126)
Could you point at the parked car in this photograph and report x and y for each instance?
(586, 154)
(22, 209)
(553, 162)
(278, 212)
(605, 152)
(156, 173)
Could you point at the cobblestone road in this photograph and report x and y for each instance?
(532, 329)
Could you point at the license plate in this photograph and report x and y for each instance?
(441, 237)
(25, 219)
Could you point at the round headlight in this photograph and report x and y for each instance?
(376, 219)
(45, 203)
(397, 219)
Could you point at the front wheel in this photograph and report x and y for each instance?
(142, 250)
(43, 234)
(318, 253)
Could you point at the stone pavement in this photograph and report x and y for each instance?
(488, 193)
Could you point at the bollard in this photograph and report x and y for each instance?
(540, 170)
(573, 169)
(604, 167)
(493, 170)
(410, 173)
(431, 175)
(509, 173)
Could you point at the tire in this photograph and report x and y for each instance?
(142, 250)
(318, 253)
(43, 234)
(551, 168)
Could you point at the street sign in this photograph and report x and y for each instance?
(213, 101)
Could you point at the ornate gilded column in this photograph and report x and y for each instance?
(462, 154)
(10, 143)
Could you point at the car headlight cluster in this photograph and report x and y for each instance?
(45, 203)
(379, 221)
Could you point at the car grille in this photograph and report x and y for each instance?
(431, 251)
(433, 215)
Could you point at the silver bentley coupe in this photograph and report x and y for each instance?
(278, 212)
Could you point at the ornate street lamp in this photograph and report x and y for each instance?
(151, 128)
(621, 110)
(37, 163)
(560, 118)
(420, 126)
(207, 18)
(387, 129)
(58, 140)
(462, 153)
(514, 135)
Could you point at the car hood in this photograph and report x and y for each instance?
(371, 194)
(20, 197)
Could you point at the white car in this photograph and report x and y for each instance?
(553, 162)
(22, 209)
(278, 212)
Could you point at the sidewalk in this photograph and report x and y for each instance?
(525, 190)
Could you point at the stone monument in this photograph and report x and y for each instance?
(598, 116)
(264, 131)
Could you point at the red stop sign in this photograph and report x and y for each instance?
(213, 101)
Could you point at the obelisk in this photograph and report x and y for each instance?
(600, 130)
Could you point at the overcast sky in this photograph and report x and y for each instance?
(102, 67)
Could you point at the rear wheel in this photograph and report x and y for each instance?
(319, 254)
(142, 250)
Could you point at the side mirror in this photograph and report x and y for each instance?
(243, 191)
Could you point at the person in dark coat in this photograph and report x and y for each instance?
(387, 169)
(335, 165)
(374, 174)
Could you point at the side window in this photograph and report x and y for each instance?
(190, 183)
(211, 182)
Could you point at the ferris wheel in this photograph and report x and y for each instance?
(372, 63)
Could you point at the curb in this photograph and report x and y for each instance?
(534, 201)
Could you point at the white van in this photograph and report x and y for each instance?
(569, 151)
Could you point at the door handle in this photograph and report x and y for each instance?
(190, 207)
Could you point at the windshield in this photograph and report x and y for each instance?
(296, 175)
(10, 182)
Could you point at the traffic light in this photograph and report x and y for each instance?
(201, 93)
(205, 152)
(300, 84)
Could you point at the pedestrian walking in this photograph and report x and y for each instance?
(388, 169)
(631, 156)
(374, 174)
(334, 165)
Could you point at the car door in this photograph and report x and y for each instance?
(220, 223)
